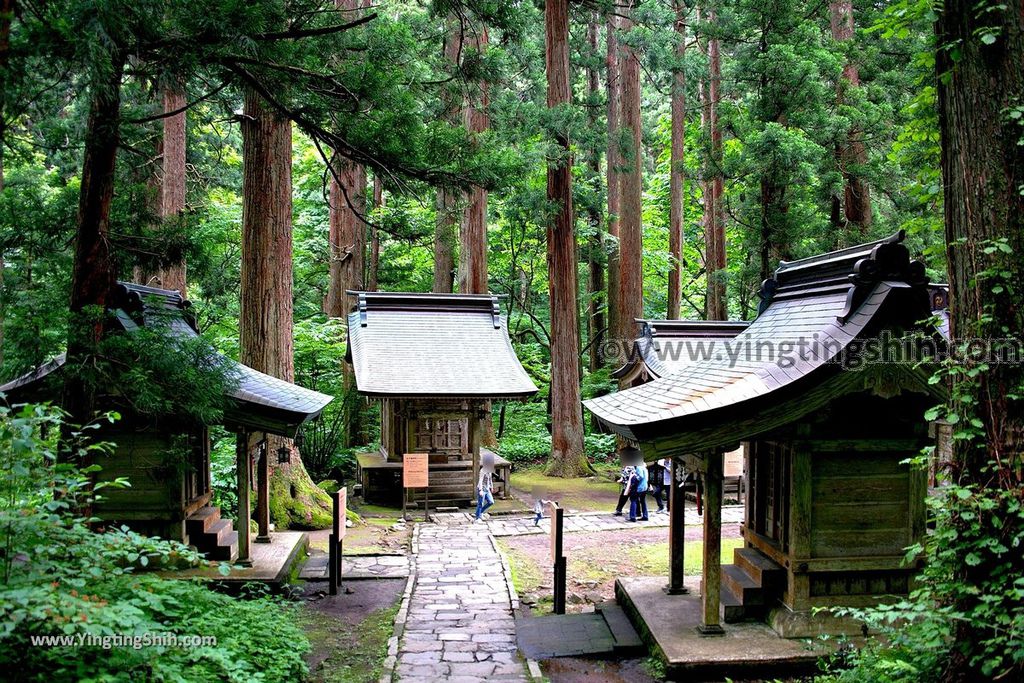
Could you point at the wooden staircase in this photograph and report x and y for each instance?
(449, 487)
(750, 586)
(211, 535)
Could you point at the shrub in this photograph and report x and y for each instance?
(62, 579)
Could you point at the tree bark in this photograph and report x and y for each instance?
(595, 256)
(612, 89)
(347, 213)
(983, 174)
(676, 167)
(631, 301)
(93, 277)
(6, 13)
(473, 235)
(170, 186)
(265, 320)
(567, 455)
(373, 269)
(853, 155)
(449, 205)
(714, 211)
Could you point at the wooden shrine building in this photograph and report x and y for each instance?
(823, 391)
(666, 346)
(435, 362)
(167, 460)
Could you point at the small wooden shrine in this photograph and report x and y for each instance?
(666, 346)
(824, 392)
(435, 362)
(167, 461)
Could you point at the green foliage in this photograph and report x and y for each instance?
(62, 578)
(973, 528)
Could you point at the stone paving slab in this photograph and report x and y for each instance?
(564, 635)
(459, 625)
(579, 522)
(357, 567)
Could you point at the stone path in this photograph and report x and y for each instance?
(458, 624)
(578, 522)
(358, 567)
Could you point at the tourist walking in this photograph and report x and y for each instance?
(484, 491)
(638, 494)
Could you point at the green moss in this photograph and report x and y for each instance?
(526, 575)
(296, 502)
(652, 558)
(587, 494)
(355, 653)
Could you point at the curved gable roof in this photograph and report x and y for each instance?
(813, 310)
(433, 345)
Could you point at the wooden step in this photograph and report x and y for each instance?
(226, 551)
(199, 521)
(731, 606)
(627, 640)
(742, 585)
(219, 531)
(762, 569)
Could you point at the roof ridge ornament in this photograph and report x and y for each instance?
(495, 312)
(362, 309)
(889, 260)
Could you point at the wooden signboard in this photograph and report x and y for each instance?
(341, 505)
(334, 543)
(414, 470)
(556, 531)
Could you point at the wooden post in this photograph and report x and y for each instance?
(676, 530)
(712, 571)
(263, 493)
(336, 539)
(473, 427)
(799, 588)
(557, 558)
(242, 467)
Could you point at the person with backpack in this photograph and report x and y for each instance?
(623, 481)
(638, 493)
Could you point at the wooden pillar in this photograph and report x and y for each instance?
(799, 588)
(676, 530)
(242, 466)
(263, 492)
(473, 425)
(712, 571)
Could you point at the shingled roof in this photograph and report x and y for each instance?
(823, 303)
(433, 345)
(666, 346)
(258, 401)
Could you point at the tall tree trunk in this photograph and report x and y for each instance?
(373, 269)
(347, 234)
(567, 456)
(6, 14)
(265, 320)
(631, 301)
(595, 249)
(676, 167)
(853, 155)
(170, 186)
(93, 276)
(473, 235)
(449, 204)
(983, 175)
(714, 210)
(612, 88)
